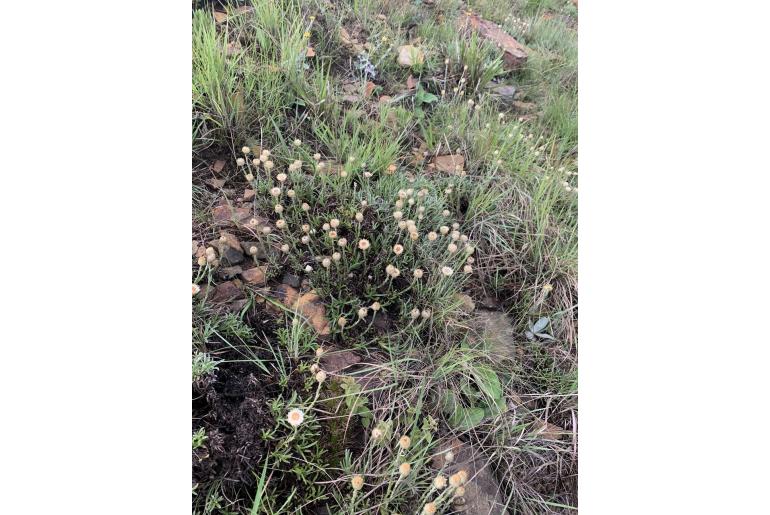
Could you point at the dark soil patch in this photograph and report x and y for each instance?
(232, 407)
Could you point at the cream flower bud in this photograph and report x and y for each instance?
(363, 244)
(429, 508)
(468, 269)
(297, 142)
(281, 224)
(314, 368)
(375, 306)
(418, 273)
(305, 228)
(415, 313)
(449, 456)
(275, 191)
(240, 161)
(326, 227)
(269, 165)
(305, 239)
(401, 224)
(397, 215)
(334, 223)
(404, 442)
(246, 150)
(398, 249)
(440, 482)
(399, 204)
(278, 208)
(332, 234)
(249, 177)
(447, 271)
(341, 321)
(285, 248)
(443, 229)
(281, 177)
(432, 236)
(305, 206)
(425, 313)
(308, 268)
(336, 256)
(266, 230)
(452, 248)
(404, 469)
(363, 312)
(342, 242)
(357, 482)
(359, 217)
(326, 262)
(319, 351)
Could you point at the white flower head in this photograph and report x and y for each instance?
(447, 271)
(295, 417)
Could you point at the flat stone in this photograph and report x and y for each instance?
(291, 279)
(466, 302)
(503, 91)
(333, 361)
(514, 54)
(312, 308)
(449, 163)
(229, 272)
(229, 255)
(482, 492)
(255, 276)
(227, 291)
(496, 331)
(287, 295)
(248, 194)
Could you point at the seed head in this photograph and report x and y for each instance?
(440, 482)
(398, 249)
(404, 469)
(429, 508)
(357, 482)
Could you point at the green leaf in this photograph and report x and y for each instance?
(540, 324)
(467, 418)
(488, 382)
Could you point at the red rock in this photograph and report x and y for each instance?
(256, 275)
(229, 240)
(514, 54)
(248, 194)
(449, 162)
(226, 291)
(311, 307)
